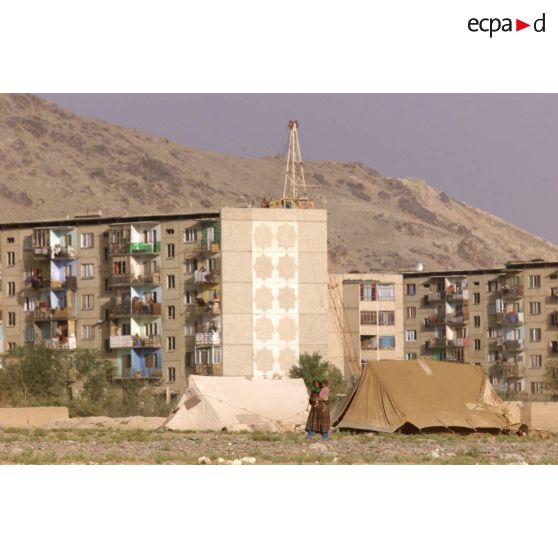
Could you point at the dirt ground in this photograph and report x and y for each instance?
(119, 446)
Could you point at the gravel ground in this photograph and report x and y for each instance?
(99, 446)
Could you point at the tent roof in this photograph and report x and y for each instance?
(425, 394)
(240, 403)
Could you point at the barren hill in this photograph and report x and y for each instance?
(54, 163)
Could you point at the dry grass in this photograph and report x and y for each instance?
(106, 446)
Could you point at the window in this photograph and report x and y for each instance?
(170, 312)
(190, 265)
(11, 288)
(107, 286)
(11, 346)
(410, 356)
(492, 356)
(170, 282)
(535, 361)
(410, 289)
(105, 254)
(190, 297)
(171, 343)
(87, 271)
(119, 266)
(11, 240)
(170, 250)
(386, 292)
(126, 329)
(171, 374)
(477, 345)
(535, 334)
(86, 240)
(190, 358)
(170, 231)
(476, 298)
(492, 286)
(29, 304)
(554, 319)
(107, 346)
(190, 235)
(368, 317)
(387, 317)
(368, 291)
(87, 301)
(411, 335)
(11, 259)
(387, 342)
(537, 387)
(11, 318)
(87, 332)
(477, 321)
(190, 328)
(411, 312)
(534, 308)
(29, 334)
(534, 281)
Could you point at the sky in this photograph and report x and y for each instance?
(494, 151)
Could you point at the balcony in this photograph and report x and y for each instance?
(435, 319)
(122, 280)
(139, 374)
(209, 247)
(207, 276)
(212, 338)
(63, 252)
(509, 369)
(209, 369)
(147, 309)
(458, 342)
(506, 291)
(436, 296)
(47, 313)
(435, 343)
(68, 343)
(212, 308)
(120, 341)
(140, 248)
(122, 310)
(508, 344)
(510, 319)
(41, 252)
(456, 319)
(147, 279)
(146, 342)
(452, 294)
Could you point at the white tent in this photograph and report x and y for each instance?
(240, 404)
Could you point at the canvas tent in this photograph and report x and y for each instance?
(240, 404)
(419, 394)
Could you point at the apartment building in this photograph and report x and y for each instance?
(368, 312)
(504, 319)
(235, 292)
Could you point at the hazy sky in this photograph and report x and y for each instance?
(497, 152)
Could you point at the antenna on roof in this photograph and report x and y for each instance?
(295, 190)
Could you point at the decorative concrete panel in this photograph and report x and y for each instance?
(275, 296)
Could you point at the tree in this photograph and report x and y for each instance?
(551, 375)
(312, 367)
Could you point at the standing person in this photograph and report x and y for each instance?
(318, 418)
(324, 410)
(312, 424)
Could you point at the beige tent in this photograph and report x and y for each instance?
(418, 394)
(240, 404)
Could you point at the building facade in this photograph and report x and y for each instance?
(370, 320)
(239, 292)
(504, 319)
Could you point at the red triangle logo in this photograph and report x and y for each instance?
(519, 25)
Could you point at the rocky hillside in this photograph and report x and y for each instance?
(54, 163)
